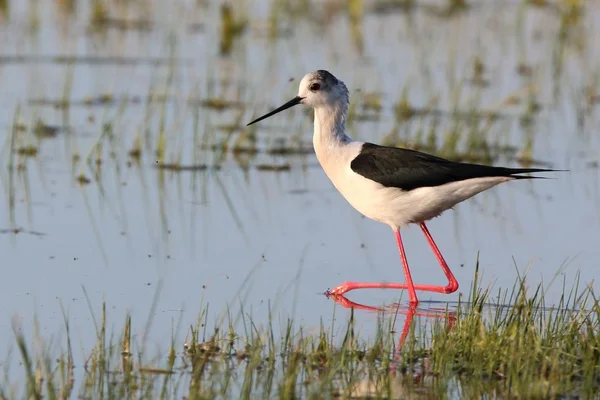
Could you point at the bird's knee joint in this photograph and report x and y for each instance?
(451, 288)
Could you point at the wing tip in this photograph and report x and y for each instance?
(535, 170)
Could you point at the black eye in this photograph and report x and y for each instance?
(314, 87)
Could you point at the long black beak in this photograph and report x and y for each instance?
(296, 100)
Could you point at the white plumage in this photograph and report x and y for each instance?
(392, 206)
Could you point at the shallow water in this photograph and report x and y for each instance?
(265, 238)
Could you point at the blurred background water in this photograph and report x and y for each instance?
(128, 171)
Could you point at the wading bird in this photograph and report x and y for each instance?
(391, 185)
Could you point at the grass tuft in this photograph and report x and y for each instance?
(511, 344)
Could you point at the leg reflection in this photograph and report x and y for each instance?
(410, 311)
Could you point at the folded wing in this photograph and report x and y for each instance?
(409, 169)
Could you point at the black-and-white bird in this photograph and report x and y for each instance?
(391, 185)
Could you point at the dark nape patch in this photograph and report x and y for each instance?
(326, 76)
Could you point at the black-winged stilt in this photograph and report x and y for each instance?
(391, 185)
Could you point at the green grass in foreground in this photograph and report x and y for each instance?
(510, 345)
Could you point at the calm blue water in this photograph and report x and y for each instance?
(256, 237)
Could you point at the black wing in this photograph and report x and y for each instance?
(409, 169)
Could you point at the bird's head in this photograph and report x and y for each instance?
(317, 89)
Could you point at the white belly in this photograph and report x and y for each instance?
(396, 207)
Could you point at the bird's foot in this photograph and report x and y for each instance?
(339, 290)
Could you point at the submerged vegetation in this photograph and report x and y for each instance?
(511, 344)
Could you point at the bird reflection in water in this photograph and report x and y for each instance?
(398, 388)
(409, 311)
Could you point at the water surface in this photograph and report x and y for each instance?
(278, 239)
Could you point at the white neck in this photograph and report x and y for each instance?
(330, 123)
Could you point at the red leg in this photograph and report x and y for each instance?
(450, 288)
(412, 295)
(452, 285)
